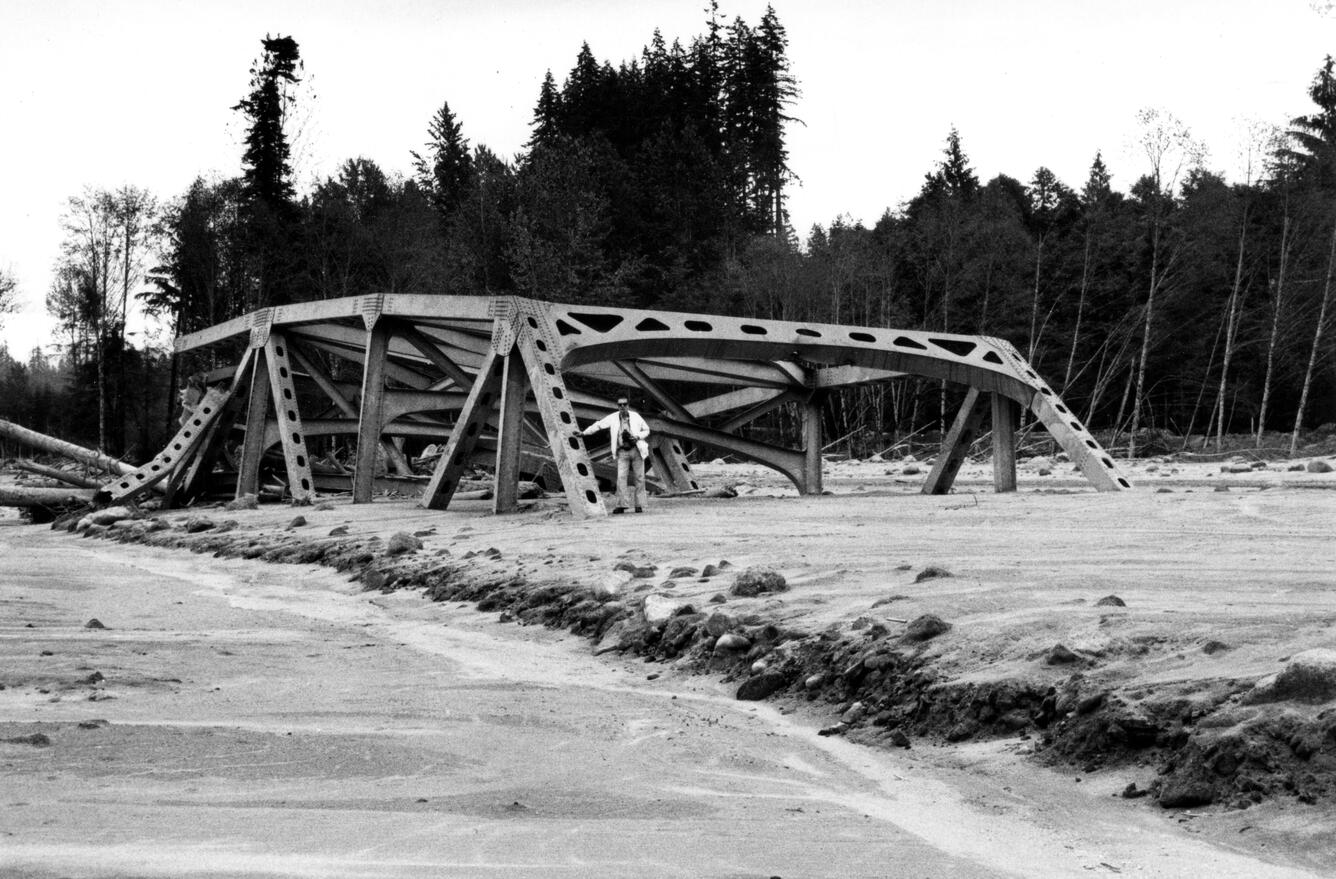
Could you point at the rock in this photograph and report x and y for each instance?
(682, 571)
(402, 542)
(37, 740)
(1044, 471)
(731, 642)
(323, 507)
(94, 623)
(338, 531)
(373, 579)
(721, 491)
(1213, 647)
(814, 681)
(1111, 601)
(926, 627)
(1132, 792)
(636, 571)
(718, 623)
(196, 524)
(718, 598)
(711, 571)
(899, 739)
(109, 515)
(760, 686)
(962, 730)
(756, 581)
(1236, 468)
(298, 522)
(838, 729)
(876, 459)
(854, 713)
(911, 470)
(661, 608)
(1186, 791)
(931, 572)
(1039, 463)
(245, 502)
(1319, 467)
(1222, 488)
(1309, 677)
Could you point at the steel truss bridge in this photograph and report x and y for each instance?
(507, 381)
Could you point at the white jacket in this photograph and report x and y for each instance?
(612, 424)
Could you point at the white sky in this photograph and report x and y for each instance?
(109, 92)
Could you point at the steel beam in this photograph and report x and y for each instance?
(964, 430)
(472, 418)
(371, 416)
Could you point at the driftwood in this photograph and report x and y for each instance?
(50, 444)
(60, 475)
(51, 498)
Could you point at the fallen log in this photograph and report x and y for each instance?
(50, 498)
(56, 473)
(50, 444)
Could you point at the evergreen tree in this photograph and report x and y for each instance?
(268, 172)
(443, 174)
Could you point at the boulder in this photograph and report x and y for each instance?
(636, 571)
(1319, 467)
(1309, 677)
(760, 686)
(661, 608)
(931, 572)
(402, 542)
(1059, 654)
(1111, 601)
(721, 491)
(756, 581)
(731, 642)
(926, 627)
(245, 502)
(109, 515)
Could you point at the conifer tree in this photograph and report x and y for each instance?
(444, 172)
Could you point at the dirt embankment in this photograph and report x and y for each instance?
(1168, 683)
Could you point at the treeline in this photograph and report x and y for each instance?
(1186, 303)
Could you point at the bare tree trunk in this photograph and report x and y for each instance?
(1232, 309)
(1080, 311)
(1277, 305)
(1317, 344)
(36, 440)
(1034, 301)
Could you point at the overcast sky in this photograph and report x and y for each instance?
(108, 92)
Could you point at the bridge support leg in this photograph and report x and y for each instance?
(510, 424)
(1005, 418)
(811, 415)
(257, 410)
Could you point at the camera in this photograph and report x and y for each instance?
(627, 441)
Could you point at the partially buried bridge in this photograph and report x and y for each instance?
(507, 381)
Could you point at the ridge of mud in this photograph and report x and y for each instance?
(1204, 744)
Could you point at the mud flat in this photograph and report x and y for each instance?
(351, 712)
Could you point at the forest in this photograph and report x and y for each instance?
(1185, 306)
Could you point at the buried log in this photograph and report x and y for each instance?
(60, 475)
(50, 444)
(51, 498)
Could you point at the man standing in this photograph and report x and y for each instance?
(628, 432)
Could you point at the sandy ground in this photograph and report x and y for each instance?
(274, 721)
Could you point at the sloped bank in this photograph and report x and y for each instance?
(1229, 742)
